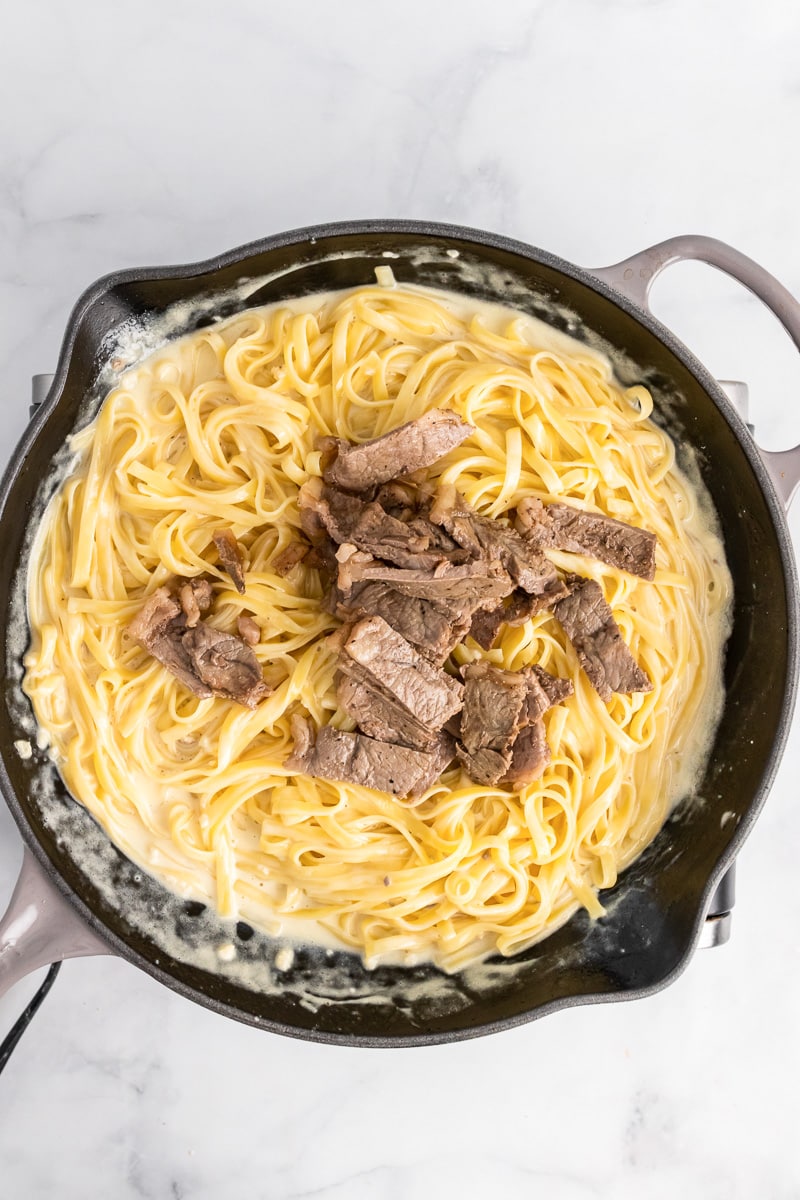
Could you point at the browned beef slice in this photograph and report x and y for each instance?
(367, 526)
(205, 660)
(226, 664)
(564, 527)
(544, 690)
(516, 609)
(433, 628)
(494, 709)
(399, 498)
(379, 714)
(479, 583)
(322, 557)
(489, 538)
(502, 735)
(393, 665)
(530, 755)
(159, 628)
(485, 766)
(417, 444)
(231, 557)
(589, 624)
(555, 688)
(354, 758)
(153, 618)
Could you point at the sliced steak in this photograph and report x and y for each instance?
(502, 735)
(349, 520)
(516, 609)
(392, 665)
(226, 664)
(485, 765)
(589, 624)
(354, 758)
(530, 755)
(564, 527)
(378, 713)
(358, 468)
(400, 498)
(153, 618)
(159, 628)
(555, 689)
(434, 628)
(492, 539)
(494, 702)
(480, 583)
(493, 713)
(230, 556)
(440, 756)
(544, 691)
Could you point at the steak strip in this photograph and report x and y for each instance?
(358, 468)
(516, 609)
(231, 557)
(589, 624)
(392, 666)
(494, 703)
(564, 527)
(433, 627)
(502, 734)
(354, 758)
(529, 757)
(481, 582)
(378, 713)
(159, 628)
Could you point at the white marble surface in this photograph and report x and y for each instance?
(162, 132)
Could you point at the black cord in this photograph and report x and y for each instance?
(9, 1043)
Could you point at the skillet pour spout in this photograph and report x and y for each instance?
(88, 898)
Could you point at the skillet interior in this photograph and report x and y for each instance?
(656, 909)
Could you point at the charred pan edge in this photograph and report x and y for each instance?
(95, 294)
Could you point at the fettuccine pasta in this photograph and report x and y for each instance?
(220, 429)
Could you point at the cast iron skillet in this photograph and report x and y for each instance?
(78, 895)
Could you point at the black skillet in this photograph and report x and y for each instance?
(78, 895)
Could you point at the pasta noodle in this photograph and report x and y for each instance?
(220, 428)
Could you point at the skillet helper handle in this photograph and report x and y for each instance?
(634, 277)
(40, 927)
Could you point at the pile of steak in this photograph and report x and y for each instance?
(412, 570)
(502, 732)
(204, 659)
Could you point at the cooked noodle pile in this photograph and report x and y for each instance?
(219, 429)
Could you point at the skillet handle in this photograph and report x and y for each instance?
(40, 927)
(634, 277)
